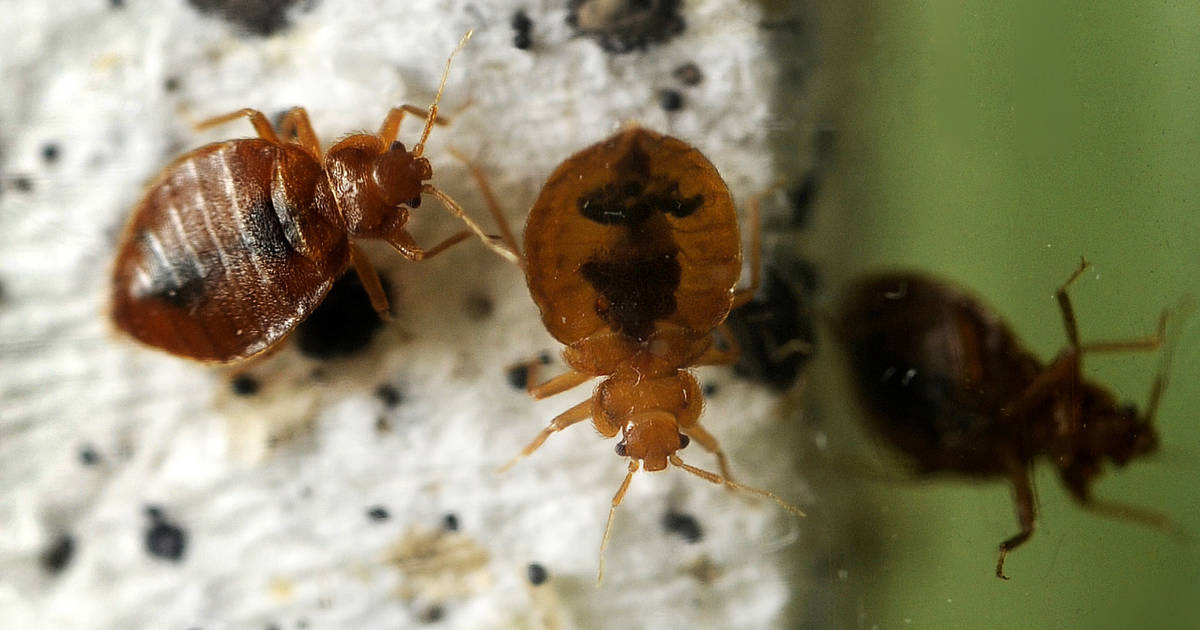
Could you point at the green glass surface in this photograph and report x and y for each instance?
(993, 144)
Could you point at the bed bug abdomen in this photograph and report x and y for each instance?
(228, 250)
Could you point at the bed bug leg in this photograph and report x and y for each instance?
(296, 124)
(261, 124)
(612, 512)
(370, 281)
(719, 480)
(390, 128)
(710, 444)
(1026, 515)
(754, 219)
(574, 415)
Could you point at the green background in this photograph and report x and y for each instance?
(994, 144)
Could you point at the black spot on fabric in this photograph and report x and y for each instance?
(683, 524)
(253, 17)
(634, 293)
(523, 30)
(50, 152)
(389, 395)
(635, 194)
(378, 513)
(670, 100)
(244, 385)
(58, 554)
(88, 455)
(343, 325)
(688, 74)
(164, 539)
(450, 522)
(622, 26)
(537, 574)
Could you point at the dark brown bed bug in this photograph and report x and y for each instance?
(632, 254)
(946, 381)
(236, 242)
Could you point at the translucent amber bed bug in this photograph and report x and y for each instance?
(236, 242)
(633, 253)
(946, 381)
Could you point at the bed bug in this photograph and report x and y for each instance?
(946, 381)
(632, 254)
(236, 242)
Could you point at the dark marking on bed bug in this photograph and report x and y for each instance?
(634, 293)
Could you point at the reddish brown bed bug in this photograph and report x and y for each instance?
(946, 381)
(632, 253)
(236, 242)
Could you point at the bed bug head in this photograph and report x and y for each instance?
(399, 176)
(651, 439)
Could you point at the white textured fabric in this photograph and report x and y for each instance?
(273, 490)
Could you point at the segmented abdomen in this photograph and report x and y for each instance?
(231, 247)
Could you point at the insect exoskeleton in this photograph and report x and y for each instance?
(234, 243)
(946, 381)
(632, 254)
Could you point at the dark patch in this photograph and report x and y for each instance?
(389, 395)
(58, 555)
(22, 183)
(621, 449)
(522, 30)
(116, 4)
(800, 197)
(683, 524)
(264, 233)
(478, 306)
(302, 623)
(775, 331)
(382, 425)
(622, 26)
(378, 513)
(688, 74)
(164, 539)
(432, 614)
(244, 385)
(518, 375)
(176, 280)
(50, 152)
(709, 390)
(343, 324)
(171, 84)
(670, 100)
(253, 17)
(88, 455)
(634, 293)
(633, 195)
(450, 522)
(537, 574)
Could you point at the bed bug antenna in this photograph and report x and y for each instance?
(612, 512)
(433, 109)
